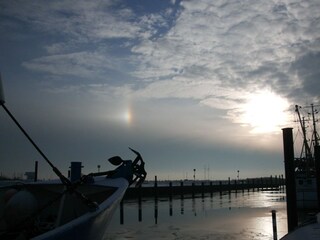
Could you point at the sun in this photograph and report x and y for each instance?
(265, 112)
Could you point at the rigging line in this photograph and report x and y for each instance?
(26, 134)
(56, 170)
(65, 181)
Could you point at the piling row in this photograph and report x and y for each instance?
(169, 189)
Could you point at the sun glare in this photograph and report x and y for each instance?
(265, 112)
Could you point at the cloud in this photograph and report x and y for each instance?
(80, 19)
(211, 52)
(307, 70)
(85, 66)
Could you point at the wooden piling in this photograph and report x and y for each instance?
(36, 171)
(274, 225)
(170, 199)
(181, 187)
(292, 216)
(156, 200)
(253, 186)
(202, 189)
(139, 205)
(193, 190)
(121, 213)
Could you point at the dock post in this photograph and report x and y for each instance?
(170, 198)
(181, 198)
(139, 204)
(193, 190)
(292, 215)
(229, 185)
(181, 188)
(236, 186)
(202, 190)
(242, 186)
(274, 225)
(220, 187)
(121, 213)
(155, 200)
(36, 171)
(253, 185)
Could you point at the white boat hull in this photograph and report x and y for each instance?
(92, 224)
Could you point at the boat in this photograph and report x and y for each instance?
(79, 207)
(308, 231)
(306, 189)
(305, 171)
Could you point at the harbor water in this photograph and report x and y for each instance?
(238, 215)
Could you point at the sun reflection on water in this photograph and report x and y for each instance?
(242, 215)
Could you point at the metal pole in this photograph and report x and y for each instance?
(292, 215)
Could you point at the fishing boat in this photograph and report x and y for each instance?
(305, 171)
(79, 207)
(308, 231)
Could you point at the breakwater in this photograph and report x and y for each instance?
(187, 187)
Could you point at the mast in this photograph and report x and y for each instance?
(306, 146)
(306, 162)
(315, 134)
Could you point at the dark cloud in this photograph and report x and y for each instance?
(307, 68)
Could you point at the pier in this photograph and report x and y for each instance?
(160, 199)
(181, 188)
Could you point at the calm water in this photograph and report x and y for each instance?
(236, 216)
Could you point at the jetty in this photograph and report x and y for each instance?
(154, 189)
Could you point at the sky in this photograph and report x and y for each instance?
(205, 85)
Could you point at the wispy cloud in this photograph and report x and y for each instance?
(214, 52)
(183, 78)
